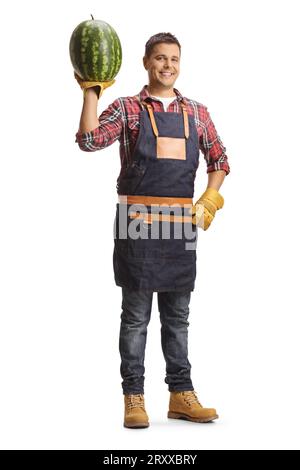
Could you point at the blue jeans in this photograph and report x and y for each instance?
(136, 312)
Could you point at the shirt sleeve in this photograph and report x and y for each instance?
(212, 146)
(108, 131)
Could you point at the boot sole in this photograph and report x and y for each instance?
(135, 426)
(173, 415)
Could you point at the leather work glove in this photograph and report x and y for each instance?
(204, 209)
(84, 85)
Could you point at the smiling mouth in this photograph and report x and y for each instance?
(166, 74)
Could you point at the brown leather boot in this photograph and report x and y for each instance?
(135, 415)
(185, 405)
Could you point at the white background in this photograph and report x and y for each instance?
(60, 309)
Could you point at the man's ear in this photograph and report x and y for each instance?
(145, 62)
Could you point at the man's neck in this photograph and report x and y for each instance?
(162, 93)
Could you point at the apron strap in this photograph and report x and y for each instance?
(153, 123)
(185, 120)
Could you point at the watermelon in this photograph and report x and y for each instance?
(95, 51)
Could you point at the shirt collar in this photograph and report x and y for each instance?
(145, 95)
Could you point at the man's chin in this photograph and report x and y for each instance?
(167, 84)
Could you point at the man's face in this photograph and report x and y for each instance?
(163, 65)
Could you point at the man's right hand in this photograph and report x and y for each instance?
(98, 86)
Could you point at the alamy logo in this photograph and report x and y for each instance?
(167, 222)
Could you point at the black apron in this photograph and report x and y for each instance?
(160, 255)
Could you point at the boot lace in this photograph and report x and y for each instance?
(190, 397)
(135, 401)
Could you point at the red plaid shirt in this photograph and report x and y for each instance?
(121, 121)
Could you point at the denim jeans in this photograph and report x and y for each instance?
(136, 312)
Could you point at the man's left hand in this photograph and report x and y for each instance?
(204, 209)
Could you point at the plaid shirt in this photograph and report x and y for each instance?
(121, 121)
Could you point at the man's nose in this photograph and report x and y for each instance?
(168, 63)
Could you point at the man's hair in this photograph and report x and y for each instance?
(159, 38)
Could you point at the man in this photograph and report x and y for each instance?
(160, 134)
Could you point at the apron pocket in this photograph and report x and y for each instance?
(128, 183)
(171, 147)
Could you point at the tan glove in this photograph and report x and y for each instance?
(204, 209)
(100, 86)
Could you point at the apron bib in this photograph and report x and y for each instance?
(155, 244)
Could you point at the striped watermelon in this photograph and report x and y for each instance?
(95, 51)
